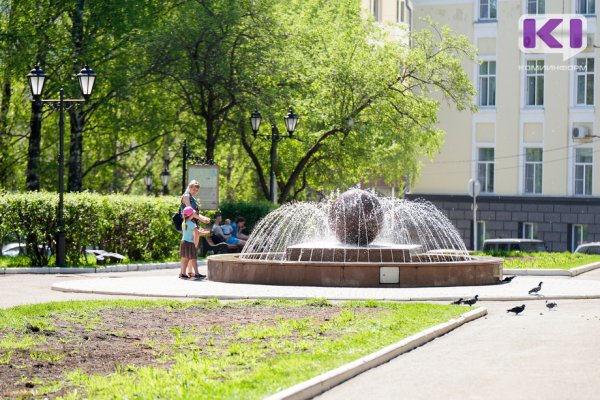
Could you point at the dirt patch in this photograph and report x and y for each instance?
(117, 339)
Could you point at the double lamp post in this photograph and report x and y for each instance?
(37, 79)
(291, 120)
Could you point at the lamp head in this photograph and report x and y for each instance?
(87, 78)
(37, 79)
(291, 120)
(255, 119)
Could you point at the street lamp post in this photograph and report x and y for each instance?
(37, 79)
(291, 120)
(165, 177)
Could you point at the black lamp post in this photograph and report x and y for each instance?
(148, 182)
(37, 79)
(291, 120)
(165, 177)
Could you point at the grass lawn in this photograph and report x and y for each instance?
(544, 260)
(194, 350)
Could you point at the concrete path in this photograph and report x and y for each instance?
(20, 289)
(159, 286)
(538, 354)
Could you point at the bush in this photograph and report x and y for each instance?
(139, 227)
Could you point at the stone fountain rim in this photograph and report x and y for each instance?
(475, 260)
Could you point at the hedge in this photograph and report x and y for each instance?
(139, 227)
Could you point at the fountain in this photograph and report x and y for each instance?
(356, 239)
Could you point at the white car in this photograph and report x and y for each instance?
(19, 249)
(588, 248)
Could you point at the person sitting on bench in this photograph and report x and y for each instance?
(219, 236)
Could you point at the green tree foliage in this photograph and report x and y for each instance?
(336, 67)
(195, 69)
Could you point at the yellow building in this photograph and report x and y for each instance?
(532, 144)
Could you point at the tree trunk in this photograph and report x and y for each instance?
(33, 154)
(75, 180)
(4, 107)
(77, 118)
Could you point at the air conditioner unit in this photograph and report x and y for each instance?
(580, 132)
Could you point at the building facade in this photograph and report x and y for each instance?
(533, 144)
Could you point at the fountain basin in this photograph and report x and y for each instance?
(344, 253)
(469, 272)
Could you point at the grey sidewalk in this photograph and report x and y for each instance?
(553, 288)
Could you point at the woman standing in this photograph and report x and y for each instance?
(188, 200)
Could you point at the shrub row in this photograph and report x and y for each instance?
(139, 227)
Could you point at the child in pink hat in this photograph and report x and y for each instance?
(188, 247)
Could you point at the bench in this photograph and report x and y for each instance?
(207, 244)
(105, 257)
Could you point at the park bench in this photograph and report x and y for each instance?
(105, 257)
(207, 244)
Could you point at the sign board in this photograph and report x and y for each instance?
(208, 177)
(474, 187)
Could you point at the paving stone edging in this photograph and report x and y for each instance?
(108, 268)
(553, 272)
(319, 384)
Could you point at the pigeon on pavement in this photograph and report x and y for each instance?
(517, 309)
(551, 305)
(536, 289)
(472, 301)
(507, 279)
(459, 301)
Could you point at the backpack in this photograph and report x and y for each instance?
(178, 219)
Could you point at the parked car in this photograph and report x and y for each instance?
(513, 244)
(19, 249)
(588, 248)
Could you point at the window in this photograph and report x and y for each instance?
(487, 9)
(400, 11)
(587, 7)
(376, 9)
(487, 83)
(533, 170)
(534, 83)
(536, 6)
(583, 172)
(485, 169)
(578, 235)
(528, 230)
(584, 75)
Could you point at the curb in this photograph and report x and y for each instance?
(553, 272)
(108, 268)
(321, 383)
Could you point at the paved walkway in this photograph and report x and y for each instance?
(538, 354)
(171, 286)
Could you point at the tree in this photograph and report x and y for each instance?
(204, 54)
(368, 105)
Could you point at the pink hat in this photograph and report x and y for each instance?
(188, 211)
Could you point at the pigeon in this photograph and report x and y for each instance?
(472, 301)
(507, 279)
(517, 309)
(459, 301)
(536, 289)
(551, 305)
